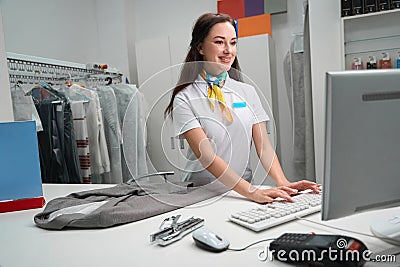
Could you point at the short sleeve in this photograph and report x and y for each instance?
(183, 117)
(259, 113)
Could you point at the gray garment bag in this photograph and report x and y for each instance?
(120, 204)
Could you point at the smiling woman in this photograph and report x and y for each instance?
(220, 116)
(200, 35)
(219, 47)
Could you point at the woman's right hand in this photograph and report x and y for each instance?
(269, 195)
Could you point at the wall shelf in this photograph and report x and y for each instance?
(374, 38)
(370, 35)
(371, 14)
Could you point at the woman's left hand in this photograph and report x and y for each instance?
(304, 185)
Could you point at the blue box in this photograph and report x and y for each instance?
(20, 177)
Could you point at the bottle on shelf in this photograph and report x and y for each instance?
(356, 64)
(385, 62)
(398, 60)
(371, 63)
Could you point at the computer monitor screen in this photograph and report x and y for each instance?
(362, 147)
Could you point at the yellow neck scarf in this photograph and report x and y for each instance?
(215, 93)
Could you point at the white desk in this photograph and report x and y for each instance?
(22, 243)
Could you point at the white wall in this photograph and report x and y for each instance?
(325, 56)
(6, 111)
(73, 30)
(158, 17)
(283, 27)
(111, 34)
(130, 31)
(173, 20)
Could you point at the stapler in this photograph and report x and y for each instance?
(171, 230)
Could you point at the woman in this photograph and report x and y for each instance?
(220, 116)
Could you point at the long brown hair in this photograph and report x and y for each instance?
(189, 72)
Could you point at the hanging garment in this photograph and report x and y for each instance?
(112, 130)
(78, 104)
(101, 208)
(82, 139)
(294, 74)
(297, 78)
(55, 113)
(99, 159)
(52, 161)
(23, 107)
(130, 113)
(309, 136)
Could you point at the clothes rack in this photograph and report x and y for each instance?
(79, 110)
(33, 70)
(32, 83)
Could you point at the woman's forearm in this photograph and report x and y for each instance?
(267, 155)
(276, 172)
(226, 175)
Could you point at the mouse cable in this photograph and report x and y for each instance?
(349, 231)
(252, 244)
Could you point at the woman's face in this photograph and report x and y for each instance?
(219, 47)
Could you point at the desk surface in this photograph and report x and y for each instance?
(24, 244)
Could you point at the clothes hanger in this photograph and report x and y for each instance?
(17, 85)
(74, 95)
(108, 80)
(37, 93)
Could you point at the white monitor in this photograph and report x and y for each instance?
(362, 147)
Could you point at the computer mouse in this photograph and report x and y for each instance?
(387, 227)
(210, 240)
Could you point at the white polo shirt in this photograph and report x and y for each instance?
(231, 141)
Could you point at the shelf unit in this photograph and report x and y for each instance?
(370, 35)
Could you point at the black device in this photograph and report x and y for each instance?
(346, 6)
(358, 7)
(370, 6)
(384, 5)
(395, 4)
(327, 250)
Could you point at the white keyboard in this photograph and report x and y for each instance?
(275, 213)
